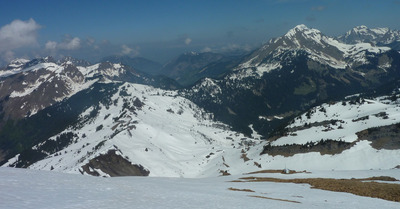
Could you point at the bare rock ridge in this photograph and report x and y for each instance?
(113, 164)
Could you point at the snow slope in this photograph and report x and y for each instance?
(351, 118)
(165, 133)
(58, 190)
(172, 137)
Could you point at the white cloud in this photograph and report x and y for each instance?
(130, 51)
(125, 50)
(188, 41)
(236, 47)
(51, 45)
(72, 44)
(17, 34)
(206, 49)
(67, 44)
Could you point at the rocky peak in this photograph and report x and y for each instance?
(300, 29)
(376, 36)
(17, 63)
(74, 61)
(301, 33)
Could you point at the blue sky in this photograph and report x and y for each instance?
(160, 30)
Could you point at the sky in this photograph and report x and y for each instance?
(162, 29)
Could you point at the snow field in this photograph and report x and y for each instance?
(58, 190)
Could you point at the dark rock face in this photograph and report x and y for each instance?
(385, 137)
(113, 165)
(325, 147)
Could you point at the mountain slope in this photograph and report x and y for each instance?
(18, 136)
(154, 129)
(141, 130)
(290, 74)
(190, 67)
(29, 86)
(358, 127)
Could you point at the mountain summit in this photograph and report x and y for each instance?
(313, 44)
(291, 73)
(301, 34)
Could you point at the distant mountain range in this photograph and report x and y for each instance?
(138, 63)
(376, 36)
(214, 115)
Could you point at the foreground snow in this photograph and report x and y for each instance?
(23, 188)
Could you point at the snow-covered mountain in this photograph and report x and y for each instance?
(31, 86)
(105, 119)
(332, 128)
(291, 73)
(159, 132)
(314, 44)
(139, 63)
(27, 87)
(141, 130)
(376, 36)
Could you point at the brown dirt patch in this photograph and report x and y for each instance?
(244, 157)
(277, 171)
(270, 198)
(359, 187)
(224, 173)
(240, 190)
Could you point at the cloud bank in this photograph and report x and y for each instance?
(17, 34)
